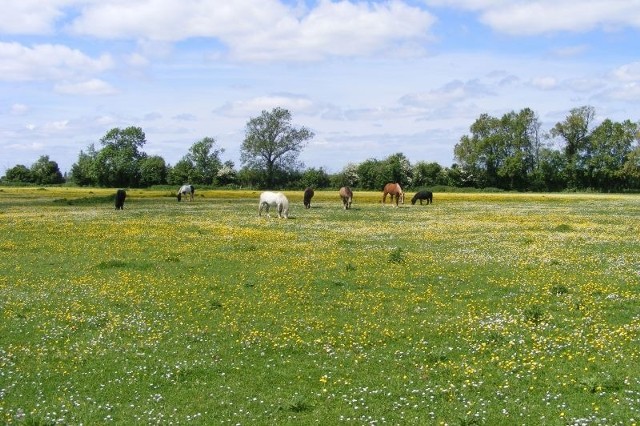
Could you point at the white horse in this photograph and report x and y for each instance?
(186, 190)
(276, 199)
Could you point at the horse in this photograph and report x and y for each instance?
(276, 199)
(121, 194)
(308, 195)
(393, 189)
(186, 190)
(423, 195)
(347, 196)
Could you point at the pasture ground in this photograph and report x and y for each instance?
(479, 309)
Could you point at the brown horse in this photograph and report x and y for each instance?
(306, 199)
(393, 189)
(347, 196)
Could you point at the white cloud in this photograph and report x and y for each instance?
(47, 62)
(452, 92)
(265, 30)
(254, 106)
(545, 16)
(628, 72)
(88, 87)
(30, 16)
(545, 82)
(18, 109)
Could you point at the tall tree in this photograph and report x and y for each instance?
(501, 152)
(118, 162)
(83, 172)
(272, 142)
(153, 171)
(574, 131)
(608, 148)
(46, 171)
(205, 158)
(397, 169)
(18, 173)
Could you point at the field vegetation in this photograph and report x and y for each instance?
(478, 309)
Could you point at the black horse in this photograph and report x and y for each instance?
(423, 195)
(308, 195)
(121, 194)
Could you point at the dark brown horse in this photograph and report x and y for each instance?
(394, 190)
(308, 195)
(347, 196)
(423, 195)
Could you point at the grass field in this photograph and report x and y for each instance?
(487, 309)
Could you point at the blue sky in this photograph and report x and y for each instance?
(369, 78)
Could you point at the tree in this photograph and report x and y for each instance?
(608, 148)
(397, 169)
(347, 177)
(46, 172)
(501, 152)
(272, 143)
(426, 174)
(118, 162)
(314, 178)
(574, 130)
(226, 174)
(182, 172)
(153, 171)
(83, 172)
(19, 173)
(205, 160)
(371, 174)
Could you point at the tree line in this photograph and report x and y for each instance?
(505, 153)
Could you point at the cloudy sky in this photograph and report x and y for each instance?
(370, 78)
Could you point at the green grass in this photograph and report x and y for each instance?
(478, 309)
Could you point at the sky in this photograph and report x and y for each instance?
(369, 78)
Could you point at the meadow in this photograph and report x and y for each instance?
(480, 309)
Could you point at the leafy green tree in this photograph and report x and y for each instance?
(426, 174)
(46, 172)
(551, 173)
(631, 169)
(481, 153)
(314, 178)
(153, 171)
(182, 172)
(397, 169)
(575, 131)
(118, 162)
(19, 173)
(272, 142)
(205, 159)
(83, 172)
(372, 174)
(608, 148)
(501, 152)
(347, 177)
(227, 175)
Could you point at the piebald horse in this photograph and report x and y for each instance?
(275, 199)
(347, 197)
(186, 190)
(394, 190)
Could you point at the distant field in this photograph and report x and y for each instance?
(481, 309)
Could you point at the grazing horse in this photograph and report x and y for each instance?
(121, 194)
(347, 196)
(394, 190)
(308, 195)
(423, 195)
(276, 199)
(186, 190)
